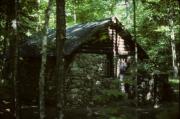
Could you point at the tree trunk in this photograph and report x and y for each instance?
(74, 12)
(173, 50)
(60, 38)
(74, 15)
(4, 47)
(13, 52)
(43, 63)
(39, 26)
(136, 51)
(113, 3)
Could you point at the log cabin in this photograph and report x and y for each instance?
(105, 37)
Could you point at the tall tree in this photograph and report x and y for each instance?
(4, 23)
(60, 38)
(173, 49)
(74, 12)
(135, 48)
(172, 36)
(44, 61)
(13, 51)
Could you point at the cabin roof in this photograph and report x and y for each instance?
(76, 36)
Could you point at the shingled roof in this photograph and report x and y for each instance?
(76, 36)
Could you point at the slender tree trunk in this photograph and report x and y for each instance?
(136, 51)
(74, 15)
(135, 36)
(38, 27)
(43, 63)
(60, 38)
(173, 50)
(13, 52)
(4, 47)
(113, 3)
(74, 12)
(127, 4)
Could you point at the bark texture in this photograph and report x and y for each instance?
(43, 62)
(60, 38)
(136, 50)
(173, 50)
(12, 13)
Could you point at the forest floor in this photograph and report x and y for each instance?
(122, 109)
(115, 110)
